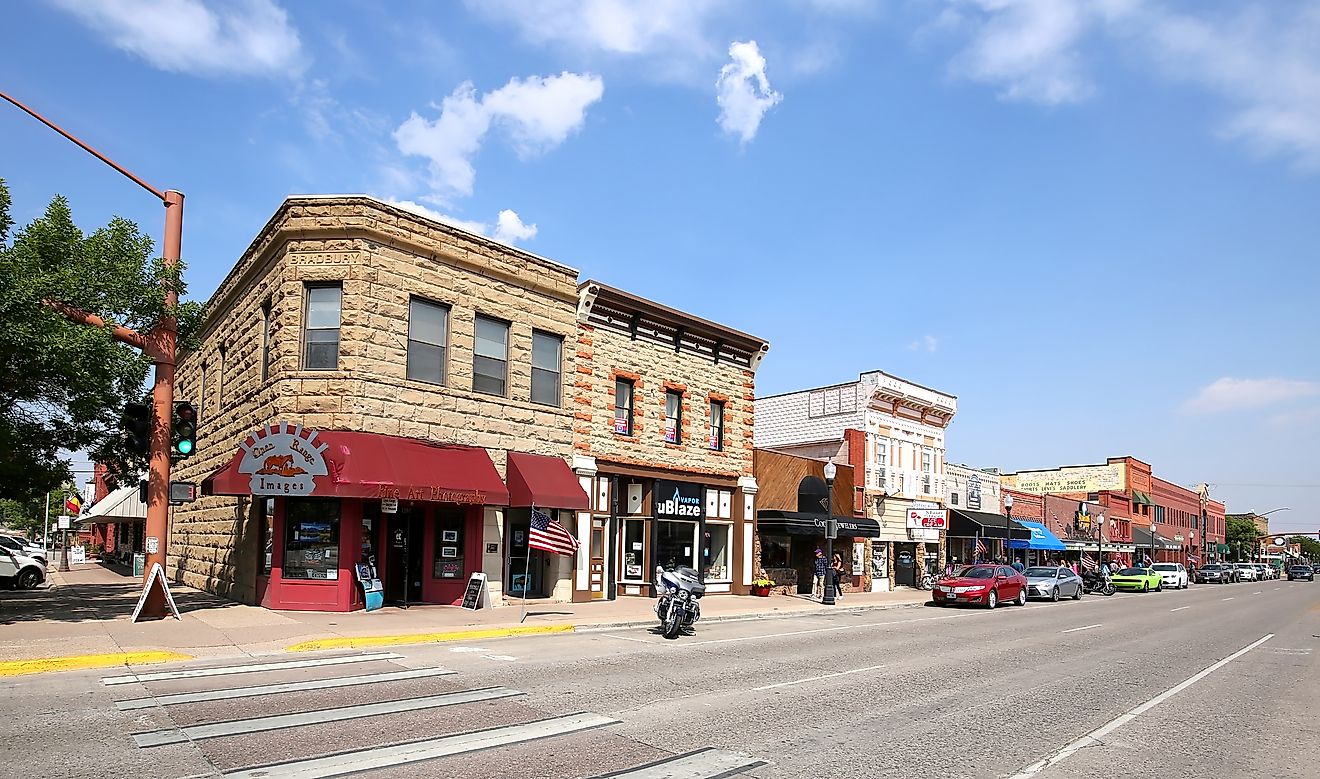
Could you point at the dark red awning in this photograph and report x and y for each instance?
(369, 465)
(543, 481)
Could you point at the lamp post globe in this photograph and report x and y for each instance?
(827, 596)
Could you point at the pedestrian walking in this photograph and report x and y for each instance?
(822, 565)
(1018, 566)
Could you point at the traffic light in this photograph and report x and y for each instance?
(184, 429)
(137, 428)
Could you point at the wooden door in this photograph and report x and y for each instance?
(597, 565)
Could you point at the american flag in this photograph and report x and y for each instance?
(1089, 563)
(1193, 559)
(980, 550)
(549, 535)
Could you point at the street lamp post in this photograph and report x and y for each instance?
(1099, 540)
(1008, 523)
(827, 599)
(160, 344)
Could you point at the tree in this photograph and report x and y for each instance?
(1240, 535)
(1310, 546)
(64, 384)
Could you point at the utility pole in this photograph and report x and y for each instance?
(160, 344)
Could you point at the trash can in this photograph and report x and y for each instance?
(139, 564)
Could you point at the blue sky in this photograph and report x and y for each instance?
(1095, 222)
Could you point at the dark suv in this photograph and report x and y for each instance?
(1214, 572)
(1301, 572)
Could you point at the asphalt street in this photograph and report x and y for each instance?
(1215, 681)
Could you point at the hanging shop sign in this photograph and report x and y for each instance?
(282, 460)
(974, 492)
(927, 518)
(679, 500)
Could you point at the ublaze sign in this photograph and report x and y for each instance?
(679, 500)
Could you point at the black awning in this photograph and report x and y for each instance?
(797, 523)
(964, 523)
(1142, 538)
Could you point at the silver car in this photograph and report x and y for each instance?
(1053, 583)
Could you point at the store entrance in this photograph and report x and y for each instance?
(905, 565)
(526, 575)
(404, 540)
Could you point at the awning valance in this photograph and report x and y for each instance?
(1145, 538)
(964, 523)
(1041, 538)
(122, 505)
(775, 522)
(1167, 544)
(538, 480)
(290, 461)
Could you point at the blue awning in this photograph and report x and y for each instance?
(1041, 538)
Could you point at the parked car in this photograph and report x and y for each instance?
(1138, 580)
(20, 571)
(1246, 572)
(1262, 571)
(982, 585)
(1214, 572)
(1174, 575)
(22, 546)
(1053, 583)
(1298, 572)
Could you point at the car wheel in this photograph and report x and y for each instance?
(1078, 594)
(1159, 585)
(1145, 586)
(991, 600)
(1054, 595)
(28, 580)
(1022, 596)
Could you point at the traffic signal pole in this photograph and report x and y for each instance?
(161, 345)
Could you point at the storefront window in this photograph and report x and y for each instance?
(370, 528)
(774, 552)
(448, 563)
(716, 552)
(634, 545)
(265, 508)
(676, 545)
(311, 538)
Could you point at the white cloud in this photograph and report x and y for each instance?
(615, 26)
(242, 37)
(539, 112)
(509, 227)
(743, 92)
(927, 343)
(1229, 394)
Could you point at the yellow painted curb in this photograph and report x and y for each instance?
(357, 642)
(43, 665)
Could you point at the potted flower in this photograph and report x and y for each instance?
(761, 586)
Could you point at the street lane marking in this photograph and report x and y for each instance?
(1180, 608)
(246, 669)
(157, 738)
(1227, 599)
(1094, 738)
(815, 678)
(1084, 627)
(505, 658)
(275, 689)
(813, 630)
(699, 764)
(402, 754)
(630, 638)
(1276, 589)
(1257, 592)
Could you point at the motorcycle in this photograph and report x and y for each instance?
(1097, 583)
(679, 605)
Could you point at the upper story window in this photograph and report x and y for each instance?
(623, 406)
(717, 425)
(953, 498)
(490, 357)
(428, 341)
(321, 327)
(925, 462)
(265, 339)
(673, 416)
(547, 357)
(882, 452)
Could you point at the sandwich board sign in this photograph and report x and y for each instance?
(157, 573)
(476, 596)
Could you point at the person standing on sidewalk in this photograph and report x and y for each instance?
(836, 576)
(822, 569)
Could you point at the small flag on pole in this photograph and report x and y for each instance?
(1089, 563)
(73, 504)
(980, 550)
(550, 536)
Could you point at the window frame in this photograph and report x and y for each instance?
(716, 441)
(504, 380)
(266, 310)
(443, 345)
(676, 396)
(558, 382)
(309, 289)
(629, 409)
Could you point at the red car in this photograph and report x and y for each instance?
(983, 585)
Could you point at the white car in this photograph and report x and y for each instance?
(1173, 574)
(1246, 572)
(20, 545)
(21, 571)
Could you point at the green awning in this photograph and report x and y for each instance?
(1140, 497)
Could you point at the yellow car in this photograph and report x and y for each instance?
(1138, 579)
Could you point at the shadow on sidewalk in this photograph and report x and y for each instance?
(92, 602)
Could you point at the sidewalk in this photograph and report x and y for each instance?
(86, 611)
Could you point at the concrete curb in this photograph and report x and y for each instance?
(359, 642)
(42, 665)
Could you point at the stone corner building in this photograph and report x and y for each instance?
(376, 386)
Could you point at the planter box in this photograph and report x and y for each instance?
(761, 592)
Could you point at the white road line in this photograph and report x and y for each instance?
(505, 658)
(1276, 589)
(156, 738)
(701, 764)
(815, 678)
(806, 632)
(194, 673)
(1084, 627)
(275, 689)
(1180, 608)
(1257, 592)
(1227, 598)
(1095, 736)
(402, 754)
(630, 638)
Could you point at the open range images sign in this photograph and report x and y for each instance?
(283, 460)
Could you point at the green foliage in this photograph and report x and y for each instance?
(1310, 546)
(1240, 535)
(64, 384)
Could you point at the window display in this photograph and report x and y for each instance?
(676, 545)
(716, 553)
(311, 538)
(448, 559)
(265, 508)
(634, 550)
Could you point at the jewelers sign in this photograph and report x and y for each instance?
(282, 461)
(928, 519)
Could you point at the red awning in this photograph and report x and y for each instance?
(369, 465)
(543, 481)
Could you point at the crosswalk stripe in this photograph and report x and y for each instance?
(708, 763)
(194, 673)
(275, 689)
(402, 754)
(157, 738)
